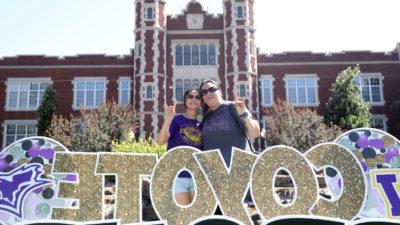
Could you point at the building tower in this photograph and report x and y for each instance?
(149, 60)
(240, 51)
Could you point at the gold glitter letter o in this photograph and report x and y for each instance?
(173, 161)
(268, 163)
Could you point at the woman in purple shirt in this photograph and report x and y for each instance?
(183, 130)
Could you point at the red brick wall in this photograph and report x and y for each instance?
(62, 72)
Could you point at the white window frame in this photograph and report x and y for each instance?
(244, 10)
(253, 49)
(138, 49)
(271, 94)
(302, 76)
(24, 80)
(16, 122)
(191, 43)
(123, 79)
(146, 6)
(144, 91)
(384, 120)
(369, 76)
(87, 79)
(246, 85)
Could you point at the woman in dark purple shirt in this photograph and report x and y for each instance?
(183, 130)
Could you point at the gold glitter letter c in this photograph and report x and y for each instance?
(354, 189)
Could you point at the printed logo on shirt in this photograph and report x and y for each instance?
(217, 123)
(191, 135)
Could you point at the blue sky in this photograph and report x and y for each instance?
(69, 27)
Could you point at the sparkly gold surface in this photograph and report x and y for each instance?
(47, 169)
(88, 191)
(352, 198)
(128, 168)
(380, 159)
(358, 155)
(306, 189)
(388, 141)
(229, 187)
(22, 162)
(161, 188)
(370, 162)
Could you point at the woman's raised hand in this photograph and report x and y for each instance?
(170, 110)
(240, 105)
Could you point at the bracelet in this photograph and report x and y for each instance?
(244, 115)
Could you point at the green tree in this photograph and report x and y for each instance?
(346, 107)
(95, 130)
(297, 128)
(46, 110)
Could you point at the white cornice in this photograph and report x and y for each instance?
(67, 67)
(195, 31)
(325, 63)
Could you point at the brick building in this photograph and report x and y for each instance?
(172, 53)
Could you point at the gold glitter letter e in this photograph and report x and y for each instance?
(87, 190)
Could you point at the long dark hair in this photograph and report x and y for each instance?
(206, 108)
(187, 92)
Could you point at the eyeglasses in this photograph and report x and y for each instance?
(211, 90)
(190, 96)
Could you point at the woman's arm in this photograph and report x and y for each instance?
(252, 126)
(164, 134)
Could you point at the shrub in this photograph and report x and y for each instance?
(298, 128)
(94, 130)
(140, 146)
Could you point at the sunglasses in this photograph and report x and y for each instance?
(211, 90)
(190, 96)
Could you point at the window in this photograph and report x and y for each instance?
(187, 58)
(89, 94)
(203, 54)
(211, 54)
(371, 88)
(124, 91)
(178, 55)
(149, 13)
(179, 90)
(16, 130)
(379, 122)
(242, 90)
(301, 91)
(25, 95)
(182, 85)
(138, 50)
(148, 91)
(194, 54)
(253, 50)
(266, 90)
(240, 12)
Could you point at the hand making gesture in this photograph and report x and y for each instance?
(240, 105)
(170, 110)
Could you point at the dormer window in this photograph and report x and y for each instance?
(149, 13)
(240, 12)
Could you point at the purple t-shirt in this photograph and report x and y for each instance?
(184, 132)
